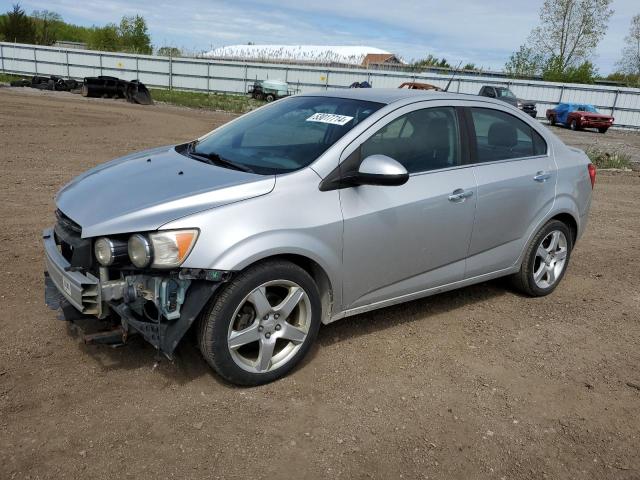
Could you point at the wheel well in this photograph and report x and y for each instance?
(318, 274)
(570, 222)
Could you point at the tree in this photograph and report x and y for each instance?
(16, 26)
(582, 73)
(47, 25)
(570, 30)
(526, 62)
(105, 38)
(630, 61)
(169, 52)
(134, 36)
(432, 61)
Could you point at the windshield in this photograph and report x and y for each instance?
(285, 136)
(586, 108)
(505, 92)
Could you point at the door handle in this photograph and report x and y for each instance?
(542, 177)
(459, 194)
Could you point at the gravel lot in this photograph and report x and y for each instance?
(477, 383)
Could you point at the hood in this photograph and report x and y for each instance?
(143, 191)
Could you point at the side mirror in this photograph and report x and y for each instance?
(381, 170)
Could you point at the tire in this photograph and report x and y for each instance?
(270, 98)
(552, 120)
(603, 129)
(85, 90)
(574, 125)
(537, 277)
(238, 330)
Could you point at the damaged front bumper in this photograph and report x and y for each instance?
(177, 299)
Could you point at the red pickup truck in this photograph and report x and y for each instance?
(577, 116)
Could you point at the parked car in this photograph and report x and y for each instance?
(270, 90)
(577, 116)
(419, 86)
(309, 210)
(506, 95)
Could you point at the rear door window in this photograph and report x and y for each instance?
(501, 136)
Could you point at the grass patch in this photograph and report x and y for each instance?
(605, 159)
(213, 101)
(6, 77)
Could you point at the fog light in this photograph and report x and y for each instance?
(109, 252)
(140, 250)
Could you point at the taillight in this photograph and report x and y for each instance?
(592, 174)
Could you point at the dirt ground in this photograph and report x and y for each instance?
(473, 384)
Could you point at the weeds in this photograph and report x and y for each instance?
(213, 101)
(605, 159)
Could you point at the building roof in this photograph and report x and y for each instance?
(353, 55)
(379, 58)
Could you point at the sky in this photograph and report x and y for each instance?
(483, 32)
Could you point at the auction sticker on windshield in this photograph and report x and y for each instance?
(331, 118)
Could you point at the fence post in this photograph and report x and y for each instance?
(170, 71)
(208, 78)
(2, 56)
(561, 93)
(100, 58)
(35, 60)
(67, 55)
(246, 68)
(326, 81)
(615, 102)
(137, 68)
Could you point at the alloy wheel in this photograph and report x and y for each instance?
(269, 326)
(550, 259)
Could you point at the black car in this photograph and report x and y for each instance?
(506, 95)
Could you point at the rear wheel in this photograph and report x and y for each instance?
(262, 324)
(545, 261)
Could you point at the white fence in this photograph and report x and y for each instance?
(235, 77)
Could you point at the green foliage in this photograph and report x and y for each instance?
(169, 52)
(553, 71)
(17, 26)
(45, 28)
(134, 35)
(48, 25)
(104, 38)
(526, 62)
(605, 159)
(214, 101)
(629, 80)
(432, 61)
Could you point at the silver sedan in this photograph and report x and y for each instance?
(309, 210)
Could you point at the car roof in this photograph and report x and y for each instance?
(387, 95)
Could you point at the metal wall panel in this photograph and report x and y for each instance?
(226, 76)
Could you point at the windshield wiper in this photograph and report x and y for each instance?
(215, 159)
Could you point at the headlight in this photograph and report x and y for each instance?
(139, 250)
(109, 252)
(171, 247)
(166, 249)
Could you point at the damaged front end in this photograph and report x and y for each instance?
(160, 305)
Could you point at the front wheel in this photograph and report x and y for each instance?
(574, 125)
(262, 324)
(552, 120)
(545, 261)
(270, 97)
(603, 129)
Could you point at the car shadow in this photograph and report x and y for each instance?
(188, 364)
